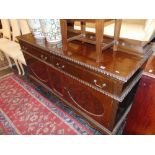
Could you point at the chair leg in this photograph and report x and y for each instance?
(21, 66)
(18, 68)
(8, 59)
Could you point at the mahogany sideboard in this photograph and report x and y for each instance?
(99, 92)
(141, 118)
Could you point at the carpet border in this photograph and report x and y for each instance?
(25, 85)
(11, 123)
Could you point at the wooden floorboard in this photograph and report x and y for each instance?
(5, 71)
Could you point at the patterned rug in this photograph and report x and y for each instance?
(25, 111)
(3, 62)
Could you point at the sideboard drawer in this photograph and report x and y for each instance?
(100, 81)
(41, 54)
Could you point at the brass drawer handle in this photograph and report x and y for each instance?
(57, 64)
(60, 67)
(100, 86)
(42, 57)
(45, 58)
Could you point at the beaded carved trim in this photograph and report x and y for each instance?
(107, 73)
(120, 99)
(121, 78)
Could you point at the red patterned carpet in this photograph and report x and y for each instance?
(25, 111)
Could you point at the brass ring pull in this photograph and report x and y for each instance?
(45, 58)
(60, 67)
(42, 57)
(100, 86)
(57, 64)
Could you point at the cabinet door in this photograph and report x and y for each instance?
(56, 81)
(37, 69)
(94, 104)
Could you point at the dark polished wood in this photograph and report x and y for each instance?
(118, 63)
(100, 92)
(35, 69)
(96, 105)
(141, 119)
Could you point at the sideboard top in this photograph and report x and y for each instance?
(119, 65)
